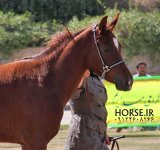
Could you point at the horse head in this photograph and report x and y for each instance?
(106, 54)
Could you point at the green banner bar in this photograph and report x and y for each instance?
(138, 107)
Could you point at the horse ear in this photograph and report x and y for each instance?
(113, 23)
(102, 24)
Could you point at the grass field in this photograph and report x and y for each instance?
(143, 140)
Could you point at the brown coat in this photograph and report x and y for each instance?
(88, 125)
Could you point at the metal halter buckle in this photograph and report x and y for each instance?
(106, 68)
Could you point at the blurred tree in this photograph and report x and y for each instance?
(62, 10)
(117, 3)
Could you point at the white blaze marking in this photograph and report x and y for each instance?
(115, 41)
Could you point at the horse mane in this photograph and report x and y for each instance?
(60, 41)
(56, 43)
(60, 38)
(34, 66)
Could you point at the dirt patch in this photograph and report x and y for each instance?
(153, 68)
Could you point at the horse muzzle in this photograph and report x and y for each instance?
(124, 85)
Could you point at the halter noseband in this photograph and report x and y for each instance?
(106, 68)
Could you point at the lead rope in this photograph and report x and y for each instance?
(114, 140)
(113, 144)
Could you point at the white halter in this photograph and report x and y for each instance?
(106, 68)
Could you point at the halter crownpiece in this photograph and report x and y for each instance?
(105, 67)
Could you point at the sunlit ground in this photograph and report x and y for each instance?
(143, 140)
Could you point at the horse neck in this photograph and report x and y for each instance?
(71, 66)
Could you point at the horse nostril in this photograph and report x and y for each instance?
(128, 83)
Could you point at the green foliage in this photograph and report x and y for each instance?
(18, 31)
(118, 3)
(138, 32)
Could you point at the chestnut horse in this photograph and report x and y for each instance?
(34, 91)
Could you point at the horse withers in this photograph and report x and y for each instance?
(34, 91)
